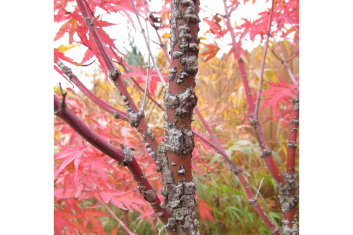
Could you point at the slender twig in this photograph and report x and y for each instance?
(257, 105)
(258, 189)
(266, 152)
(285, 63)
(148, 46)
(147, 73)
(290, 58)
(127, 230)
(124, 157)
(146, 87)
(73, 78)
(136, 117)
(235, 169)
(139, 87)
(162, 45)
(147, 93)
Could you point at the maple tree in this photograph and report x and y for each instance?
(95, 194)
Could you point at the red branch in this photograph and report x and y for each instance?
(291, 153)
(236, 170)
(114, 75)
(88, 17)
(257, 105)
(257, 125)
(73, 78)
(292, 140)
(285, 63)
(147, 93)
(145, 188)
(163, 46)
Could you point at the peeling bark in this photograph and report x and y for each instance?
(175, 152)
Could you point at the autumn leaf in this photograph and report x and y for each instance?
(65, 48)
(210, 51)
(204, 211)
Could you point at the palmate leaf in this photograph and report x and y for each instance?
(210, 51)
(66, 157)
(278, 93)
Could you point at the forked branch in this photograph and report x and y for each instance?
(73, 78)
(123, 157)
(266, 152)
(136, 116)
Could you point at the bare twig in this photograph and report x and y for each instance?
(163, 46)
(258, 189)
(148, 46)
(266, 152)
(257, 105)
(147, 74)
(285, 63)
(235, 169)
(73, 78)
(127, 230)
(146, 87)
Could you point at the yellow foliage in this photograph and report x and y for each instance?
(65, 48)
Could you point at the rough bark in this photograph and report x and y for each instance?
(175, 152)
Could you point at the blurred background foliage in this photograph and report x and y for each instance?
(221, 100)
(92, 192)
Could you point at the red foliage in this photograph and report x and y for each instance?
(279, 93)
(141, 73)
(84, 177)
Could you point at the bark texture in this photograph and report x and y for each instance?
(289, 192)
(175, 152)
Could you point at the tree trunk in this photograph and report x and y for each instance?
(175, 152)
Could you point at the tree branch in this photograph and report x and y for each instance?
(136, 117)
(73, 78)
(148, 46)
(289, 195)
(123, 157)
(236, 170)
(284, 61)
(127, 230)
(88, 17)
(266, 152)
(258, 100)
